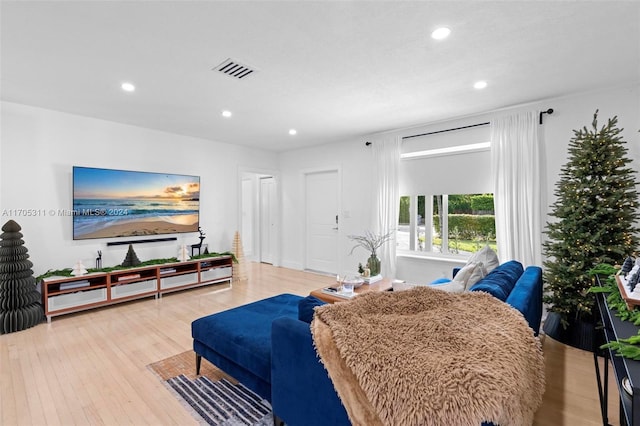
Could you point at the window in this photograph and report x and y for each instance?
(447, 204)
(467, 227)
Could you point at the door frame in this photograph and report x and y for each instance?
(257, 230)
(263, 226)
(303, 179)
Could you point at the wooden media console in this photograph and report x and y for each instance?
(63, 295)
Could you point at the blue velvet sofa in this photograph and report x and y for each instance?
(238, 340)
(267, 345)
(295, 364)
(519, 287)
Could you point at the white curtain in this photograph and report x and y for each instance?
(517, 178)
(387, 199)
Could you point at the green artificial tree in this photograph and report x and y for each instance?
(595, 213)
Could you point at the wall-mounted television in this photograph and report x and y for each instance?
(111, 203)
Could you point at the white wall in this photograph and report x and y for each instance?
(354, 160)
(38, 148)
(571, 112)
(574, 112)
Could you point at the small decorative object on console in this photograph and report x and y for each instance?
(131, 259)
(183, 255)
(78, 269)
(198, 245)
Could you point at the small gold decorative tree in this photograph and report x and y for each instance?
(240, 271)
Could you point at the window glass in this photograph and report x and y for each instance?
(446, 223)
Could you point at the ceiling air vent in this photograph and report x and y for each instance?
(235, 69)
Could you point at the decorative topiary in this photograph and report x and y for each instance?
(20, 304)
(131, 259)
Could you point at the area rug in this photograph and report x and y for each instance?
(213, 398)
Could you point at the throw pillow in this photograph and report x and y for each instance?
(306, 306)
(471, 271)
(501, 280)
(487, 256)
(478, 273)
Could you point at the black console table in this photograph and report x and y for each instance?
(613, 329)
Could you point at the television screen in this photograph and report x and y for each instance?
(120, 203)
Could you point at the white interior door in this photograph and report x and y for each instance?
(322, 195)
(268, 205)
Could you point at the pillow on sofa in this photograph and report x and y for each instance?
(470, 274)
(501, 280)
(478, 273)
(306, 306)
(487, 256)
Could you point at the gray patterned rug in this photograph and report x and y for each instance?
(221, 403)
(213, 398)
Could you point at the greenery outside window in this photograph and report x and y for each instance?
(467, 226)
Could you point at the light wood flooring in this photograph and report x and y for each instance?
(91, 367)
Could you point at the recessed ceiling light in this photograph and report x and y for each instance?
(128, 87)
(292, 132)
(440, 33)
(480, 84)
(226, 113)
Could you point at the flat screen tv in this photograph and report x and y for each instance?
(111, 203)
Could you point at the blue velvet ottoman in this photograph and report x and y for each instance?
(238, 341)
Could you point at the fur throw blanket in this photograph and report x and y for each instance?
(427, 357)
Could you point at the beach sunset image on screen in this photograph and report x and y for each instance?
(111, 203)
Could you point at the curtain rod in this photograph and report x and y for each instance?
(446, 130)
(548, 111)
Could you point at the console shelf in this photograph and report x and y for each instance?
(63, 295)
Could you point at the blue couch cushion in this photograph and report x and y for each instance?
(527, 296)
(243, 334)
(306, 307)
(501, 280)
(302, 394)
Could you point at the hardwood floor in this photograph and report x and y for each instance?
(91, 367)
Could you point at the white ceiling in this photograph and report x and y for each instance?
(334, 71)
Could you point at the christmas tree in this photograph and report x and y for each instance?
(20, 303)
(595, 211)
(131, 259)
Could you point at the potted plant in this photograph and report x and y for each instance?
(371, 242)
